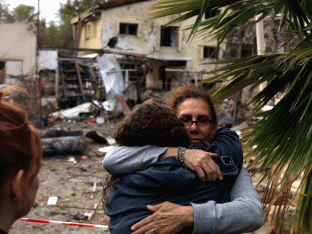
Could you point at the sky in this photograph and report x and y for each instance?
(48, 8)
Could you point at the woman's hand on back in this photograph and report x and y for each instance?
(167, 218)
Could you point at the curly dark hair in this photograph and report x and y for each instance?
(177, 96)
(151, 124)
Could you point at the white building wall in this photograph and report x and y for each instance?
(147, 42)
(18, 48)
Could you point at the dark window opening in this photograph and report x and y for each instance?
(2, 65)
(88, 31)
(233, 53)
(128, 29)
(211, 13)
(246, 51)
(240, 51)
(210, 52)
(128, 66)
(2, 71)
(178, 63)
(169, 36)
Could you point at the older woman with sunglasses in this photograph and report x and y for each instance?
(237, 213)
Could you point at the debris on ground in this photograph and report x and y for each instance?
(71, 180)
(71, 183)
(96, 137)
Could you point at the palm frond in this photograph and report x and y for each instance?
(282, 139)
(294, 14)
(304, 209)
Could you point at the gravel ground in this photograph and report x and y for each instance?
(67, 178)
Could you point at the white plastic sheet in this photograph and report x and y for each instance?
(84, 108)
(111, 75)
(47, 60)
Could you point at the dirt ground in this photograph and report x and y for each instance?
(67, 178)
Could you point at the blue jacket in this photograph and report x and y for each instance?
(167, 180)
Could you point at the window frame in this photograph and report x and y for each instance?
(210, 50)
(127, 31)
(169, 32)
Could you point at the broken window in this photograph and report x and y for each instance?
(88, 31)
(2, 64)
(210, 52)
(211, 13)
(233, 53)
(246, 51)
(178, 63)
(2, 71)
(128, 29)
(14, 67)
(169, 36)
(239, 50)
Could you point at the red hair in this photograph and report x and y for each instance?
(20, 145)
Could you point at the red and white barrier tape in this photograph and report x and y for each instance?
(105, 227)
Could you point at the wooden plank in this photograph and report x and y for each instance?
(80, 81)
(63, 80)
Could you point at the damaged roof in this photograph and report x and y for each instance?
(103, 6)
(116, 3)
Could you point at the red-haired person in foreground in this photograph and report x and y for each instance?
(20, 160)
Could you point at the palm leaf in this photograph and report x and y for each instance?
(282, 139)
(304, 209)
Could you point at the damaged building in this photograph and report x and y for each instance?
(118, 41)
(17, 51)
(170, 60)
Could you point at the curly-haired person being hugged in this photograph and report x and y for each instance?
(20, 160)
(167, 181)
